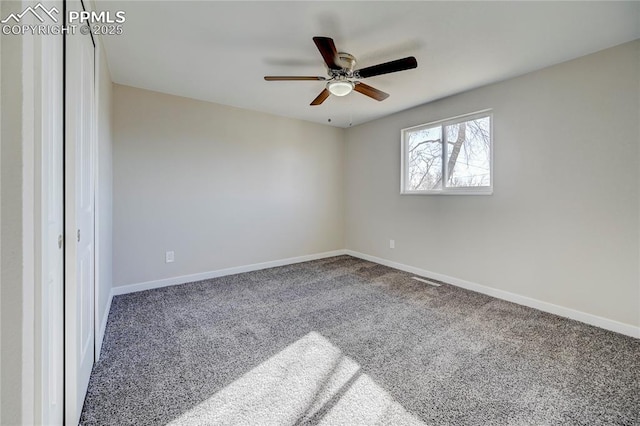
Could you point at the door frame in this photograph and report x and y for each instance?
(30, 218)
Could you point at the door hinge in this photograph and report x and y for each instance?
(60, 241)
(78, 235)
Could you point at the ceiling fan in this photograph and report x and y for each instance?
(343, 78)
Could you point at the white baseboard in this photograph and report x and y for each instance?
(607, 324)
(148, 285)
(103, 325)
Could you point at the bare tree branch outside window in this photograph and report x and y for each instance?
(467, 156)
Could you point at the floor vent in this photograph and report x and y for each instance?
(426, 281)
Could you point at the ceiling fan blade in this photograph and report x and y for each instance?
(388, 67)
(328, 51)
(321, 97)
(371, 92)
(291, 78)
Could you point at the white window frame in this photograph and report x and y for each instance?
(459, 190)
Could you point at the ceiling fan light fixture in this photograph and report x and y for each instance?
(340, 87)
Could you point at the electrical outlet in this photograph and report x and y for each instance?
(169, 257)
(392, 244)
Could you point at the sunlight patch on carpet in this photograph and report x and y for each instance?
(310, 381)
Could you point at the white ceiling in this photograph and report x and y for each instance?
(220, 51)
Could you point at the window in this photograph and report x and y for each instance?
(451, 156)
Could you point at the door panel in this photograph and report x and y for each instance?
(51, 189)
(79, 219)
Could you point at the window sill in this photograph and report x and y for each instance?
(450, 192)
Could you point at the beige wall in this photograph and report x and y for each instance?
(220, 186)
(104, 222)
(104, 189)
(563, 223)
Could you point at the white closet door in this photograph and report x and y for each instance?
(79, 219)
(52, 324)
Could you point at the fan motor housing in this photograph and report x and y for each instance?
(346, 61)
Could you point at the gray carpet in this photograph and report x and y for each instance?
(346, 341)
